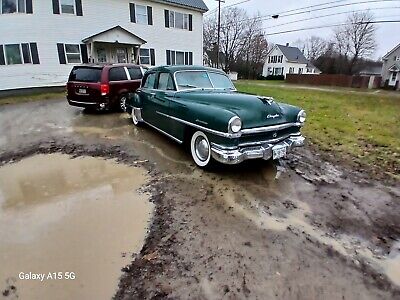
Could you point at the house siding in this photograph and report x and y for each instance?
(388, 62)
(47, 29)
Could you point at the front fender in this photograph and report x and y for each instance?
(204, 115)
(134, 100)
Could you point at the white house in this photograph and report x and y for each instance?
(391, 68)
(40, 40)
(282, 60)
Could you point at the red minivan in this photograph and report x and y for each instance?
(103, 87)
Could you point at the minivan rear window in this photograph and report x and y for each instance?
(85, 74)
(135, 73)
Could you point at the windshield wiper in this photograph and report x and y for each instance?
(188, 85)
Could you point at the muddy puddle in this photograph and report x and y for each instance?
(61, 215)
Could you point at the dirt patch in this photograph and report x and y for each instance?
(307, 227)
(82, 217)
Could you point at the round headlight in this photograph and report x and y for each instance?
(235, 124)
(301, 116)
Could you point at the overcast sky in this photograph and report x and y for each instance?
(387, 35)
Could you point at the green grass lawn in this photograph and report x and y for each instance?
(33, 97)
(362, 127)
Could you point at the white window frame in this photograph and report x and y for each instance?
(66, 54)
(74, 6)
(146, 14)
(20, 53)
(172, 21)
(17, 8)
(144, 56)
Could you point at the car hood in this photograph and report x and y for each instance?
(254, 111)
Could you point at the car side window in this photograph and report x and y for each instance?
(117, 74)
(135, 73)
(150, 81)
(165, 82)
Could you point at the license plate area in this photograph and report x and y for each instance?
(278, 151)
(82, 91)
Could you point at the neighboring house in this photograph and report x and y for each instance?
(41, 40)
(391, 68)
(283, 60)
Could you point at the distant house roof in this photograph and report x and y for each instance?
(371, 70)
(293, 54)
(390, 52)
(196, 4)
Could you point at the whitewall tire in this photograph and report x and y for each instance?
(200, 149)
(135, 120)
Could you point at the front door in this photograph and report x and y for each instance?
(155, 103)
(393, 78)
(122, 55)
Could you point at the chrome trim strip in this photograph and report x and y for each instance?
(249, 144)
(79, 102)
(270, 128)
(162, 131)
(219, 133)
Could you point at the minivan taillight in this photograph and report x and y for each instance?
(104, 89)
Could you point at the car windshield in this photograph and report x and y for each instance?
(202, 80)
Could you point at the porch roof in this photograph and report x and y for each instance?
(116, 34)
(395, 68)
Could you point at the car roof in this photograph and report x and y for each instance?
(109, 65)
(176, 68)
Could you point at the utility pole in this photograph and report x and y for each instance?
(219, 29)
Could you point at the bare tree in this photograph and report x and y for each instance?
(356, 39)
(312, 47)
(242, 40)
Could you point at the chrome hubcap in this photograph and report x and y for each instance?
(122, 103)
(202, 150)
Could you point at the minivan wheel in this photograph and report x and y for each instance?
(122, 103)
(200, 149)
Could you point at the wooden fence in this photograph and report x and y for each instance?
(371, 82)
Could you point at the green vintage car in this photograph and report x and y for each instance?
(200, 106)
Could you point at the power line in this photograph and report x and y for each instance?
(226, 6)
(334, 14)
(265, 17)
(332, 25)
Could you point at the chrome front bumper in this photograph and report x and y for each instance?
(264, 151)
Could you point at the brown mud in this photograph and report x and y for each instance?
(302, 228)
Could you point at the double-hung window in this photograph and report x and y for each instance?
(174, 19)
(147, 56)
(179, 58)
(67, 6)
(17, 54)
(73, 54)
(12, 6)
(141, 14)
(144, 57)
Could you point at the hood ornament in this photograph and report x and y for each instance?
(267, 100)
